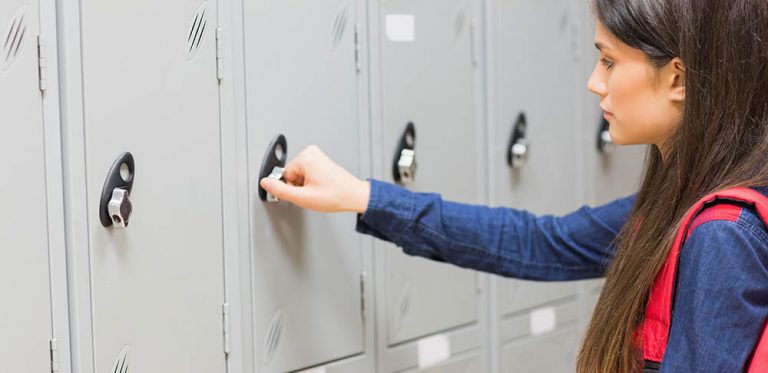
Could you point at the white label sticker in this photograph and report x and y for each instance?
(543, 320)
(314, 370)
(401, 27)
(433, 350)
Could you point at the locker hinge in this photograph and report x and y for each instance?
(362, 295)
(41, 64)
(54, 355)
(219, 54)
(358, 48)
(225, 316)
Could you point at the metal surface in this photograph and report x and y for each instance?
(26, 321)
(120, 208)
(423, 297)
(152, 88)
(301, 80)
(407, 166)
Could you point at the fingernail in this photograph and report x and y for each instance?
(266, 183)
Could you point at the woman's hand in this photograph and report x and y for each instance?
(315, 182)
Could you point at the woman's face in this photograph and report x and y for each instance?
(642, 102)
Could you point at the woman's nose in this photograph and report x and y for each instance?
(596, 83)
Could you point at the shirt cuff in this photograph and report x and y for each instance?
(389, 212)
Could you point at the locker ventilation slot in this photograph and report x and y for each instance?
(405, 306)
(338, 27)
(122, 362)
(459, 23)
(273, 337)
(13, 37)
(197, 31)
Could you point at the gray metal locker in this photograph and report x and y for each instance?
(535, 95)
(26, 321)
(462, 364)
(150, 87)
(541, 340)
(543, 354)
(429, 73)
(304, 80)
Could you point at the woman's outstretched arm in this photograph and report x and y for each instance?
(504, 241)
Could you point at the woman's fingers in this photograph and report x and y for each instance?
(294, 172)
(314, 181)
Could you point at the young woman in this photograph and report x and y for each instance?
(687, 77)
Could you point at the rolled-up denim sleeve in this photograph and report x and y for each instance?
(503, 241)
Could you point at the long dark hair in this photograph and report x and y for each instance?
(721, 142)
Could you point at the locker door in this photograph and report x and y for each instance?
(466, 364)
(536, 99)
(24, 277)
(302, 82)
(150, 88)
(428, 78)
(554, 353)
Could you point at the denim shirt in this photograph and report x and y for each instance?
(721, 301)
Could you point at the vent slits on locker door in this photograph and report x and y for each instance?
(14, 37)
(123, 361)
(196, 31)
(272, 340)
(459, 23)
(338, 26)
(404, 306)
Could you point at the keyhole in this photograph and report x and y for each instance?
(125, 173)
(279, 152)
(116, 219)
(409, 140)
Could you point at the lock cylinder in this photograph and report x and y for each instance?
(407, 166)
(276, 174)
(120, 208)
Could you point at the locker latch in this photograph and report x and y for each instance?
(115, 208)
(604, 142)
(120, 208)
(273, 165)
(404, 167)
(518, 149)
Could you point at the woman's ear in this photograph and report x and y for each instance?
(676, 80)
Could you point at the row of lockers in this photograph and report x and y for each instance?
(199, 274)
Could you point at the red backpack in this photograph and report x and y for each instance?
(654, 331)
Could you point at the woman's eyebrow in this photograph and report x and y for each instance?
(599, 46)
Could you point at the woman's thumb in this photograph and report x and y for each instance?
(281, 190)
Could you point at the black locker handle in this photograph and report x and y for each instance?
(404, 164)
(117, 188)
(518, 147)
(604, 142)
(273, 164)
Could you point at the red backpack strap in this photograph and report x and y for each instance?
(759, 359)
(658, 312)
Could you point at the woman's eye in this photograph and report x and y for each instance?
(606, 63)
